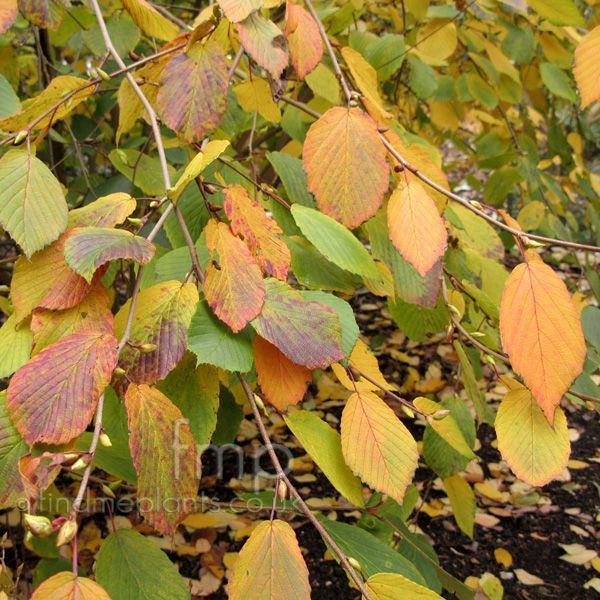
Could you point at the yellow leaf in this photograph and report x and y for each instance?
(587, 74)
(304, 39)
(200, 520)
(535, 451)
(362, 359)
(15, 341)
(66, 585)
(377, 446)
(462, 500)
(149, 20)
(393, 586)
(238, 10)
(527, 578)
(365, 77)
(255, 94)
(437, 39)
(541, 331)
(416, 227)
(270, 565)
(503, 557)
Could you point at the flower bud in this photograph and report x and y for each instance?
(105, 440)
(438, 415)
(21, 136)
(67, 532)
(39, 526)
(103, 74)
(118, 372)
(147, 348)
(355, 564)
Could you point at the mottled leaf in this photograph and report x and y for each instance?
(107, 211)
(46, 281)
(87, 248)
(57, 89)
(263, 41)
(149, 20)
(15, 340)
(92, 313)
(32, 205)
(323, 444)
(536, 451)
(393, 586)
(361, 359)
(260, 232)
(416, 227)
(334, 241)
(193, 93)
(586, 68)
(164, 455)
(8, 15)
(53, 397)
(344, 159)
(238, 10)
(67, 586)
(377, 446)
(281, 381)
(308, 333)
(304, 39)
(270, 565)
(213, 342)
(234, 287)
(12, 448)
(541, 331)
(162, 315)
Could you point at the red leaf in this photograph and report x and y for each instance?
(193, 93)
(234, 287)
(53, 397)
(263, 40)
(281, 381)
(45, 13)
(304, 39)
(167, 484)
(261, 233)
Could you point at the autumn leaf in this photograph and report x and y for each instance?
(193, 92)
(32, 204)
(15, 341)
(536, 451)
(92, 313)
(46, 281)
(87, 248)
(281, 381)
(270, 565)
(234, 287)
(344, 159)
(263, 41)
(260, 232)
(106, 211)
(416, 227)
(377, 446)
(304, 39)
(238, 10)
(164, 454)
(393, 586)
(67, 586)
(585, 71)
(363, 360)
(255, 94)
(8, 15)
(162, 316)
(541, 331)
(308, 333)
(53, 397)
(149, 20)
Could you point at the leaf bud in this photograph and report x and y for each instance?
(490, 359)
(4, 289)
(534, 243)
(154, 204)
(21, 136)
(118, 372)
(438, 415)
(93, 73)
(108, 491)
(115, 485)
(260, 403)
(408, 411)
(103, 74)
(69, 102)
(135, 221)
(210, 189)
(355, 564)
(353, 103)
(454, 310)
(147, 348)
(478, 334)
(38, 526)
(105, 440)
(67, 532)
(282, 490)
(79, 464)
(476, 204)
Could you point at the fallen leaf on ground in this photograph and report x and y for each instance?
(527, 578)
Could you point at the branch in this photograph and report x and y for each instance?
(305, 509)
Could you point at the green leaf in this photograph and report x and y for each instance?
(386, 54)
(15, 341)
(9, 101)
(335, 242)
(32, 205)
(373, 555)
(131, 567)
(323, 444)
(590, 321)
(557, 81)
(140, 169)
(12, 448)
(47, 567)
(417, 322)
(229, 418)
(462, 500)
(293, 177)
(473, 392)
(213, 342)
(558, 12)
(122, 31)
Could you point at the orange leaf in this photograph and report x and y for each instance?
(304, 39)
(344, 159)
(416, 227)
(263, 40)
(46, 281)
(270, 565)
(67, 586)
(53, 397)
(234, 288)
(93, 312)
(167, 483)
(541, 331)
(281, 381)
(260, 232)
(586, 71)
(8, 15)
(377, 446)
